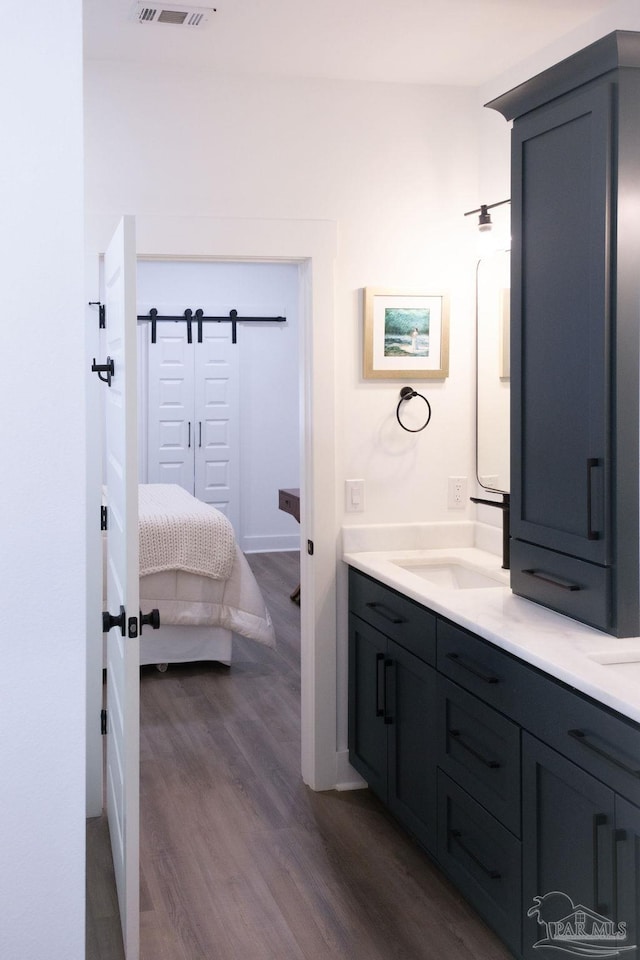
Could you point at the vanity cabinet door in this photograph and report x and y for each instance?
(567, 831)
(392, 719)
(412, 745)
(368, 670)
(560, 316)
(627, 839)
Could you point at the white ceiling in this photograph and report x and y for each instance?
(465, 42)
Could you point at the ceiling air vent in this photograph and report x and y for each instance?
(175, 13)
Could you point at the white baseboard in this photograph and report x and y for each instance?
(346, 777)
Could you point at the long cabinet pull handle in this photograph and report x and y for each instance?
(388, 699)
(492, 874)
(488, 678)
(380, 687)
(199, 433)
(385, 612)
(189, 435)
(554, 581)
(619, 836)
(582, 738)
(592, 463)
(457, 736)
(599, 821)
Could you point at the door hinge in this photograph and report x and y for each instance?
(102, 313)
(103, 722)
(104, 517)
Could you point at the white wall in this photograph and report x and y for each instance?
(394, 165)
(267, 370)
(42, 520)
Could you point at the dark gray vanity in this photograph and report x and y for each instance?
(575, 335)
(516, 784)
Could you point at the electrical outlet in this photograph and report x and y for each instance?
(354, 496)
(457, 493)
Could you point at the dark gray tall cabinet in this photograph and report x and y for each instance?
(575, 314)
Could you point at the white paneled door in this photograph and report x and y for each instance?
(217, 404)
(123, 657)
(171, 414)
(194, 414)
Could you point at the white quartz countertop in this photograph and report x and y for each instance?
(599, 665)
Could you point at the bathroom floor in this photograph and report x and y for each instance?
(241, 861)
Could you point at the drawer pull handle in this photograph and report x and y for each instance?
(554, 581)
(457, 736)
(457, 836)
(476, 673)
(385, 612)
(581, 737)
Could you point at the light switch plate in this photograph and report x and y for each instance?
(354, 496)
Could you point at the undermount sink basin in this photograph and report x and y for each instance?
(623, 662)
(452, 575)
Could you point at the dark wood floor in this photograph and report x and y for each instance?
(241, 861)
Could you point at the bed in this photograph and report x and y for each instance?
(194, 573)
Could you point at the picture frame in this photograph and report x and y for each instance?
(406, 335)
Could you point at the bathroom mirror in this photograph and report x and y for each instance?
(492, 370)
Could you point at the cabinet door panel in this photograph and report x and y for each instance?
(412, 745)
(567, 829)
(560, 313)
(628, 869)
(367, 728)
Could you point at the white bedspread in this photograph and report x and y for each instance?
(178, 532)
(185, 599)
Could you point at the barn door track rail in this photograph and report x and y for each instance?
(189, 317)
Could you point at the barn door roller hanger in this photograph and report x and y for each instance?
(189, 317)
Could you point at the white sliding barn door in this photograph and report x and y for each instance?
(123, 657)
(172, 427)
(194, 413)
(217, 407)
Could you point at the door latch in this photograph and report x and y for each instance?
(107, 368)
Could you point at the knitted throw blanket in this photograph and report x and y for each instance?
(178, 532)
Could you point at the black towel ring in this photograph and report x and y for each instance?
(406, 394)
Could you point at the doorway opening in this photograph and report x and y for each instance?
(219, 418)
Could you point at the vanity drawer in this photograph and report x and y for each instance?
(570, 586)
(482, 858)
(480, 750)
(481, 668)
(601, 742)
(394, 615)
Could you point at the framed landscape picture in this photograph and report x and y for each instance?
(405, 335)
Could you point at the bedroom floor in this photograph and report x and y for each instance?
(240, 861)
